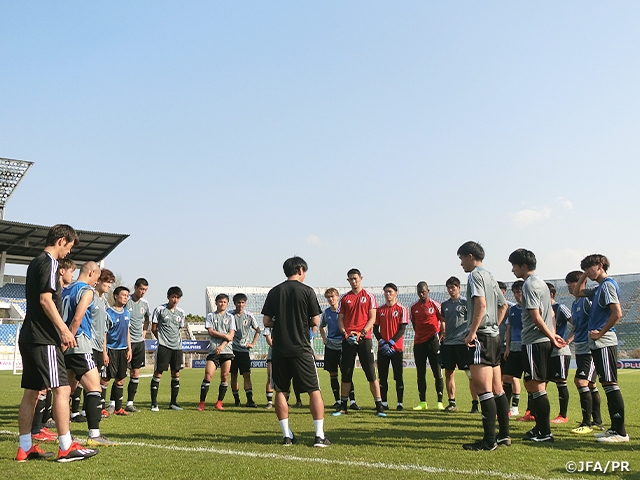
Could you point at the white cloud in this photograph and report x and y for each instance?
(566, 203)
(528, 216)
(312, 239)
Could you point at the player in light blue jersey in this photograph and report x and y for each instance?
(332, 338)
(585, 376)
(77, 303)
(119, 347)
(605, 313)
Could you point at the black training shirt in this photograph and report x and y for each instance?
(291, 305)
(42, 277)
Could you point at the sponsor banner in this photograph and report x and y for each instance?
(198, 363)
(8, 364)
(187, 345)
(629, 363)
(263, 363)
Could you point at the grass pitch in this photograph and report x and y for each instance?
(244, 443)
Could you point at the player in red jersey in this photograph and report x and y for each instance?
(391, 322)
(427, 321)
(356, 315)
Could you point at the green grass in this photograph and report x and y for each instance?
(244, 443)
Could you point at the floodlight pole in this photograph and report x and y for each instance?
(11, 173)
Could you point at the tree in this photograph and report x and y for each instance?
(193, 318)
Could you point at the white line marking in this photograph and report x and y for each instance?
(346, 463)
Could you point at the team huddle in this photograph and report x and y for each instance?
(74, 343)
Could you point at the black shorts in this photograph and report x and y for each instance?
(117, 367)
(137, 355)
(43, 366)
(302, 370)
(168, 358)
(79, 363)
(397, 364)
(585, 368)
(219, 358)
(98, 359)
(558, 368)
(606, 361)
(332, 359)
(241, 362)
(455, 356)
(364, 351)
(429, 350)
(535, 361)
(486, 350)
(513, 364)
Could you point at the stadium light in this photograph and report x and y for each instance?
(11, 172)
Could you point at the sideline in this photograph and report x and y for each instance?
(327, 461)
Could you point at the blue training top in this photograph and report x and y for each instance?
(515, 320)
(580, 309)
(71, 296)
(118, 329)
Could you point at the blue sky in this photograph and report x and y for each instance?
(226, 137)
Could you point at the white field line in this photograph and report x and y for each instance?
(345, 463)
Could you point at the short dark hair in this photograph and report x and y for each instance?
(66, 263)
(390, 285)
(573, 277)
(517, 285)
(354, 271)
(595, 259)
(62, 231)
(238, 297)
(472, 248)
(174, 291)
(222, 296)
(107, 276)
(141, 281)
(422, 285)
(453, 281)
(119, 289)
(502, 286)
(552, 288)
(292, 265)
(523, 256)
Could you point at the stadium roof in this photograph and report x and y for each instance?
(23, 242)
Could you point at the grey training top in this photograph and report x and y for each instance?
(535, 296)
(169, 325)
(482, 284)
(245, 323)
(98, 321)
(455, 321)
(222, 323)
(138, 311)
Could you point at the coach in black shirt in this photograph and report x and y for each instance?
(290, 309)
